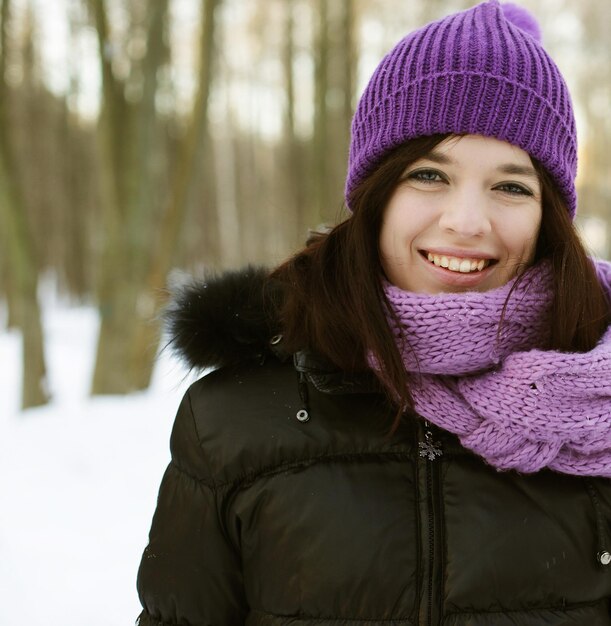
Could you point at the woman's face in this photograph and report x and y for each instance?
(464, 218)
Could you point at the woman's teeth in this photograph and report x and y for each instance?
(455, 264)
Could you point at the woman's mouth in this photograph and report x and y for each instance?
(463, 265)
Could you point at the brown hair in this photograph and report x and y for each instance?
(333, 302)
(580, 311)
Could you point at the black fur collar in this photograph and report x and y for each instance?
(222, 320)
(230, 318)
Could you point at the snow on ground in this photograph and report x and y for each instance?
(78, 482)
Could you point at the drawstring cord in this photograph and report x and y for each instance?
(603, 556)
(303, 415)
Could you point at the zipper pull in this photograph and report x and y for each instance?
(429, 449)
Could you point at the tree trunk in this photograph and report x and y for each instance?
(146, 339)
(141, 222)
(18, 243)
(348, 73)
(334, 94)
(226, 191)
(291, 166)
(9, 293)
(320, 206)
(115, 298)
(128, 147)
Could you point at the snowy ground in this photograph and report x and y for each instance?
(78, 482)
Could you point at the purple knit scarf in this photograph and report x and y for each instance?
(516, 406)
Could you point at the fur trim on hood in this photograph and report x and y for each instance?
(223, 320)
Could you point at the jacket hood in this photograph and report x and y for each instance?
(226, 319)
(223, 319)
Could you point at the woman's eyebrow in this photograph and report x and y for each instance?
(520, 170)
(438, 157)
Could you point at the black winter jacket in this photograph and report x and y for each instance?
(266, 519)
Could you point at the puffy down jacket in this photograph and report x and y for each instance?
(287, 502)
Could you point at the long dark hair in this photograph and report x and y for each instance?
(333, 302)
(580, 311)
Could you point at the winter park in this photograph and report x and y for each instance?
(147, 149)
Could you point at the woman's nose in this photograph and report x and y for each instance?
(465, 215)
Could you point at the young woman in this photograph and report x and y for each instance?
(410, 420)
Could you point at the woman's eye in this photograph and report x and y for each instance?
(514, 189)
(426, 176)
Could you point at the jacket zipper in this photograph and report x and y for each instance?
(430, 450)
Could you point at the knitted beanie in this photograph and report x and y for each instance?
(482, 71)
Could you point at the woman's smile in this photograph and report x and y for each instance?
(455, 264)
(460, 271)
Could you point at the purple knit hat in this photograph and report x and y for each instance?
(482, 71)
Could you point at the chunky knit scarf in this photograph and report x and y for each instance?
(516, 406)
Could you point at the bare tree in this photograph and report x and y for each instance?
(334, 95)
(146, 337)
(18, 241)
(292, 172)
(127, 150)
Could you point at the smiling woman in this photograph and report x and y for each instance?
(410, 422)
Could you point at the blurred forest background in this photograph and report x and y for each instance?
(139, 136)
